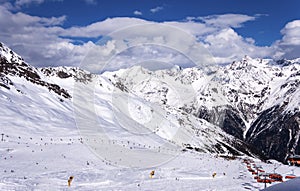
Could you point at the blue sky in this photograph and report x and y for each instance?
(264, 26)
(265, 30)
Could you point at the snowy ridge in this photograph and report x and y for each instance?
(185, 129)
(9, 55)
(250, 86)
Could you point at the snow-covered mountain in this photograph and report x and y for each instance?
(63, 94)
(252, 100)
(248, 107)
(255, 100)
(266, 95)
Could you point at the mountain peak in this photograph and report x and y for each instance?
(13, 65)
(9, 55)
(246, 58)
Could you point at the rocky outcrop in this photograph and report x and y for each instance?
(15, 66)
(275, 133)
(227, 118)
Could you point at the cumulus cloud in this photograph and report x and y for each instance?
(156, 9)
(154, 57)
(35, 38)
(140, 36)
(227, 46)
(218, 36)
(291, 33)
(289, 45)
(137, 12)
(45, 42)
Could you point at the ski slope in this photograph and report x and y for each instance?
(109, 137)
(45, 163)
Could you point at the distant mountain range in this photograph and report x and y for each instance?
(247, 107)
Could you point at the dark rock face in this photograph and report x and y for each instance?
(76, 73)
(227, 118)
(62, 74)
(233, 124)
(23, 70)
(275, 133)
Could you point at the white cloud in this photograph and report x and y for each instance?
(156, 9)
(113, 24)
(33, 37)
(154, 57)
(291, 33)
(26, 22)
(103, 27)
(140, 34)
(289, 45)
(44, 42)
(136, 12)
(194, 28)
(7, 5)
(227, 46)
(20, 3)
(227, 20)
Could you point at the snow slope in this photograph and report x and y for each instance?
(110, 131)
(45, 163)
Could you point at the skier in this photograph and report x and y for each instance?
(152, 174)
(70, 180)
(214, 174)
